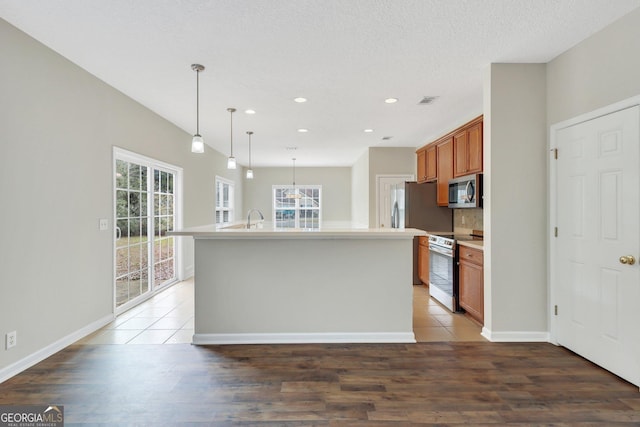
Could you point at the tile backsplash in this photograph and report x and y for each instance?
(465, 220)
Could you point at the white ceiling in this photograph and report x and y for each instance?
(344, 56)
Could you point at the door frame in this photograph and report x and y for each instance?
(130, 156)
(405, 177)
(552, 287)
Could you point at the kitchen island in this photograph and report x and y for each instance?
(301, 286)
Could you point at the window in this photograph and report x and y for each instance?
(303, 211)
(224, 200)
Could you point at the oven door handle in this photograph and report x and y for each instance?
(447, 253)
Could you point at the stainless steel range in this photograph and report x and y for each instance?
(443, 285)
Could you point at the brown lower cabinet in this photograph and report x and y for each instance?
(471, 281)
(423, 259)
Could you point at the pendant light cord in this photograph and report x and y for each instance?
(231, 131)
(198, 102)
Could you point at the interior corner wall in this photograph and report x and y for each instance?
(599, 71)
(58, 127)
(360, 191)
(336, 189)
(515, 201)
(388, 161)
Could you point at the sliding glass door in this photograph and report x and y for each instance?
(145, 200)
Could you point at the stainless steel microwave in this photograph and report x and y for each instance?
(466, 191)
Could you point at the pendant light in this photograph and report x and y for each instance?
(231, 161)
(197, 143)
(249, 171)
(294, 193)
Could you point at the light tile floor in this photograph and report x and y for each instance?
(167, 318)
(433, 322)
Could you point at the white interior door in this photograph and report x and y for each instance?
(383, 197)
(597, 208)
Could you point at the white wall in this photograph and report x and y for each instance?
(58, 125)
(360, 190)
(336, 189)
(388, 161)
(515, 201)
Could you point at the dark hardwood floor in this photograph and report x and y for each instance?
(474, 383)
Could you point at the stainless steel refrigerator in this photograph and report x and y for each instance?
(415, 205)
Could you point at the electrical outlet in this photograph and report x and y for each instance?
(462, 220)
(103, 224)
(11, 339)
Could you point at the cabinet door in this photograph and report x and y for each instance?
(460, 151)
(423, 263)
(432, 163)
(444, 152)
(422, 166)
(474, 146)
(471, 291)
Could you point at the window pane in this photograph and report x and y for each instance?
(134, 204)
(134, 176)
(143, 178)
(122, 174)
(164, 176)
(170, 183)
(225, 196)
(143, 230)
(169, 210)
(156, 180)
(122, 204)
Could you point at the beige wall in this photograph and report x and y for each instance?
(58, 126)
(515, 201)
(360, 190)
(336, 189)
(599, 71)
(388, 161)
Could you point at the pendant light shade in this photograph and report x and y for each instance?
(249, 171)
(231, 161)
(197, 143)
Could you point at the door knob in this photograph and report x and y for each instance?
(627, 259)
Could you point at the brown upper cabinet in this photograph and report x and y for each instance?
(468, 149)
(422, 165)
(444, 153)
(427, 171)
(456, 154)
(432, 163)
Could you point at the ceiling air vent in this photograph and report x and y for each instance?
(426, 100)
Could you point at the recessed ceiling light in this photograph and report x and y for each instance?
(386, 138)
(391, 100)
(250, 111)
(368, 130)
(300, 99)
(303, 130)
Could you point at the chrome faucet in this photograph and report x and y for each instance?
(249, 216)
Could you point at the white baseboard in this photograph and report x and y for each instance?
(305, 338)
(43, 353)
(516, 336)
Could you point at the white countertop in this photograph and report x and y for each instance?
(213, 232)
(475, 244)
